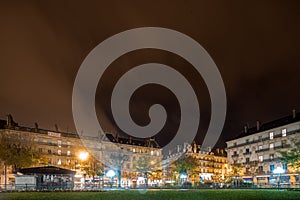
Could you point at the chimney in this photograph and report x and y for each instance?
(209, 149)
(294, 113)
(222, 151)
(257, 125)
(245, 129)
(56, 127)
(9, 120)
(36, 127)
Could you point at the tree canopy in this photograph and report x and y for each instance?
(18, 150)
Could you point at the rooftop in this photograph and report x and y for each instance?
(295, 117)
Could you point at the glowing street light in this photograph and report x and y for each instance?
(279, 171)
(111, 174)
(83, 155)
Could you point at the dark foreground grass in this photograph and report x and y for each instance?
(165, 195)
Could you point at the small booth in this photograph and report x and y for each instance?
(45, 178)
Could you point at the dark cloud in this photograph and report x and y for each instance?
(255, 45)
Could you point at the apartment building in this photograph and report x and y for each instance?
(257, 149)
(65, 150)
(212, 165)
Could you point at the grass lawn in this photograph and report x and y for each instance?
(165, 195)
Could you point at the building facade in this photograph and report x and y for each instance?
(212, 165)
(83, 154)
(257, 151)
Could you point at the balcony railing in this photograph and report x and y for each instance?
(263, 139)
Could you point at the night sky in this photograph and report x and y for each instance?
(255, 45)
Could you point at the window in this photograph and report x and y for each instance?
(59, 143)
(157, 153)
(271, 156)
(260, 168)
(234, 144)
(247, 141)
(49, 142)
(69, 143)
(271, 135)
(283, 132)
(133, 150)
(59, 152)
(50, 161)
(128, 165)
(49, 151)
(40, 150)
(260, 158)
(234, 153)
(59, 161)
(271, 145)
(40, 140)
(247, 160)
(260, 147)
(283, 143)
(271, 168)
(260, 138)
(69, 161)
(68, 153)
(284, 166)
(247, 150)
(151, 153)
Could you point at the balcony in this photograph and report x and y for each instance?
(262, 150)
(235, 155)
(264, 139)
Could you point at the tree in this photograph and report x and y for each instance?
(18, 150)
(236, 171)
(292, 157)
(186, 165)
(92, 168)
(144, 166)
(118, 160)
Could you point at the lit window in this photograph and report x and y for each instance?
(133, 150)
(157, 153)
(260, 147)
(283, 132)
(271, 145)
(271, 156)
(271, 135)
(59, 143)
(68, 153)
(261, 158)
(59, 152)
(151, 153)
(59, 161)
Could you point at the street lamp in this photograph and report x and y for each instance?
(83, 155)
(111, 174)
(183, 177)
(279, 171)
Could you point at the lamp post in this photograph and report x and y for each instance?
(82, 157)
(111, 174)
(279, 171)
(183, 177)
